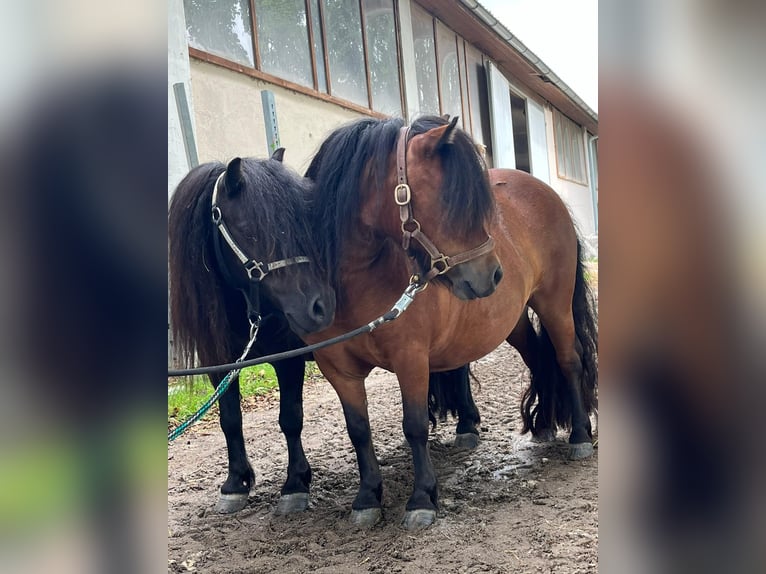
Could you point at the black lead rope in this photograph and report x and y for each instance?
(399, 307)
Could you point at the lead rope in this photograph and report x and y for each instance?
(222, 387)
(404, 301)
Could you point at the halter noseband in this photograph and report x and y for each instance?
(256, 270)
(440, 263)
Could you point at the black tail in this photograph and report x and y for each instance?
(545, 403)
(449, 392)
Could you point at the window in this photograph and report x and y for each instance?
(478, 95)
(283, 41)
(449, 72)
(223, 28)
(425, 61)
(344, 48)
(383, 56)
(570, 149)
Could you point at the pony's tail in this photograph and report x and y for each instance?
(450, 392)
(545, 404)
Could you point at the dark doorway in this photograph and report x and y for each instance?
(520, 133)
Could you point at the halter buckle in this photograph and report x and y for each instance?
(254, 266)
(398, 190)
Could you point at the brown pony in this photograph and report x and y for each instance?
(381, 187)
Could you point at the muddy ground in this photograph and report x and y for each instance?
(510, 505)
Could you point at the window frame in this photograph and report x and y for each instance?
(566, 148)
(258, 73)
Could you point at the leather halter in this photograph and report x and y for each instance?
(256, 270)
(440, 263)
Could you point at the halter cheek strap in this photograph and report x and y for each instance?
(440, 263)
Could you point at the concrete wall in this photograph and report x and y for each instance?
(229, 117)
(576, 196)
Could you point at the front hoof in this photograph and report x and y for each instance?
(366, 518)
(418, 519)
(231, 503)
(580, 450)
(467, 440)
(292, 503)
(544, 435)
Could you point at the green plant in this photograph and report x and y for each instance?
(187, 394)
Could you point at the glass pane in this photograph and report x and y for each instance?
(345, 52)
(221, 27)
(382, 56)
(316, 26)
(425, 61)
(449, 72)
(283, 40)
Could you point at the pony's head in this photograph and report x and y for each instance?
(264, 207)
(355, 171)
(452, 202)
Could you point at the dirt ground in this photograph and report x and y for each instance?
(510, 505)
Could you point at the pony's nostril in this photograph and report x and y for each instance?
(498, 275)
(318, 310)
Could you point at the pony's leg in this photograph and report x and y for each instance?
(468, 418)
(422, 505)
(366, 508)
(524, 339)
(450, 391)
(561, 330)
(295, 492)
(241, 476)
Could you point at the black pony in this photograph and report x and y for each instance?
(264, 208)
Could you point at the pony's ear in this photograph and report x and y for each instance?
(441, 136)
(278, 154)
(235, 180)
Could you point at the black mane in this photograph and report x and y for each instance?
(358, 154)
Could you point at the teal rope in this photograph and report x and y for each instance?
(180, 429)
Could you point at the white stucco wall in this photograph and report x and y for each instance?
(229, 117)
(178, 71)
(576, 196)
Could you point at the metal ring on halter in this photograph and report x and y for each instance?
(440, 264)
(415, 221)
(252, 266)
(216, 213)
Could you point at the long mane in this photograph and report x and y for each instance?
(357, 155)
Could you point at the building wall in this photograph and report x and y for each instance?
(178, 71)
(229, 117)
(577, 196)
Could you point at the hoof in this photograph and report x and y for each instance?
(467, 440)
(230, 503)
(366, 517)
(580, 450)
(545, 435)
(418, 519)
(291, 503)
